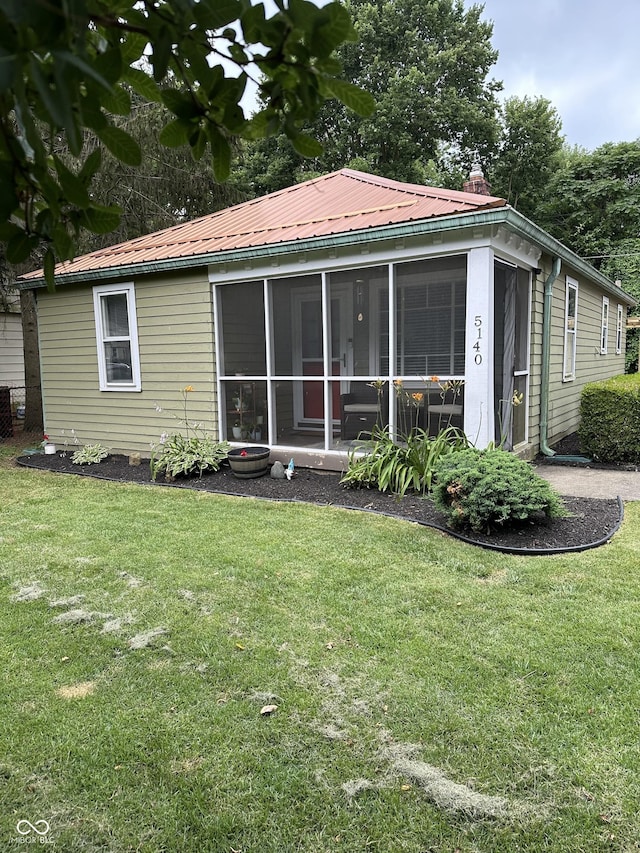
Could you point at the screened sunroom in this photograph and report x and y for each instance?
(317, 360)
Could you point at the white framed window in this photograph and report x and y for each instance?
(619, 317)
(604, 329)
(570, 329)
(117, 337)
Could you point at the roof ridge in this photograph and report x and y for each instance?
(421, 189)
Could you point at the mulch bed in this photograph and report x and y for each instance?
(591, 522)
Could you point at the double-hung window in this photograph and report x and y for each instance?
(117, 337)
(570, 329)
(619, 329)
(604, 329)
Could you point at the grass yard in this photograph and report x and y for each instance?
(430, 696)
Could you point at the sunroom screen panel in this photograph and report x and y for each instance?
(430, 317)
(296, 311)
(244, 346)
(357, 327)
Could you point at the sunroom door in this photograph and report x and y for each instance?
(309, 355)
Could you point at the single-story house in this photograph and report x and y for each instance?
(282, 311)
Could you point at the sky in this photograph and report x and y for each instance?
(582, 55)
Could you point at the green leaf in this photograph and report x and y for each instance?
(220, 152)
(306, 145)
(72, 186)
(90, 166)
(101, 220)
(20, 247)
(175, 134)
(49, 268)
(108, 65)
(7, 69)
(121, 145)
(8, 230)
(117, 101)
(213, 14)
(133, 48)
(8, 197)
(181, 105)
(64, 57)
(161, 54)
(331, 28)
(142, 84)
(253, 21)
(198, 144)
(62, 243)
(54, 101)
(353, 97)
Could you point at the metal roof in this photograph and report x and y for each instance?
(333, 204)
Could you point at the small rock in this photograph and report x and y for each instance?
(268, 710)
(134, 459)
(277, 471)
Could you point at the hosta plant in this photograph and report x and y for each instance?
(178, 454)
(196, 452)
(90, 454)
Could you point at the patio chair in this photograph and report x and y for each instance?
(360, 410)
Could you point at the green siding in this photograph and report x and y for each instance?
(591, 365)
(176, 341)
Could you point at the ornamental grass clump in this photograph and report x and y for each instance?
(395, 467)
(484, 490)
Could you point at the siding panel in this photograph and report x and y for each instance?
(175, 332)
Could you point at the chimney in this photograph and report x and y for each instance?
(477, 182)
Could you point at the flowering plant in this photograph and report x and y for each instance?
(45, 440)
(194, 452)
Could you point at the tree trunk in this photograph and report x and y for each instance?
(33, 421)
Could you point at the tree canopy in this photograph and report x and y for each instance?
(528, 153)
(592, 201)
(426, 62)
(68, 66)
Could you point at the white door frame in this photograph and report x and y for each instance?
(299, 296)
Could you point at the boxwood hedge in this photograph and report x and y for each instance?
(610, 419)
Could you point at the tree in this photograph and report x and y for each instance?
(68, 67)
(33, 392)
(593, 201)
(168, 186)
(426, 63)
(593, 205)
(528, 154)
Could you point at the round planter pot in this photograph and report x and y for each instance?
(49, 449)
(248, 462)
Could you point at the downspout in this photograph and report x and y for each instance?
(546, 358)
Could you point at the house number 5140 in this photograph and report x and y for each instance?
(477, 346)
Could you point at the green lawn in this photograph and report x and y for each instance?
(430, 696)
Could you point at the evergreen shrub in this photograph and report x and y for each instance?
(610, 419)
(485, 490)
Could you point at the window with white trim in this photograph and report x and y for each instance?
(604, 329)
(570, 329)
(117, 337)
(619, 318)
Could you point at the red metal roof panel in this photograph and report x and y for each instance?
(333, 204)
